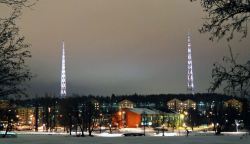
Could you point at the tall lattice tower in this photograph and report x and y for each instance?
(190, 78)
(63, 74)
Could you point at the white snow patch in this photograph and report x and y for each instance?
(105, 134)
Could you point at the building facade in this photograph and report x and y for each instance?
(126, 104)
(139, 117)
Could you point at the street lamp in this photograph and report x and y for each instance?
(237, 125)
(144, 121)
(100, 122)
(163, 129)
(124, 118)
(119, 119)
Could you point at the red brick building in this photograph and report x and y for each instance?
(132, 117)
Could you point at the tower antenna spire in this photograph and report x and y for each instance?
(190, 78)
(63, 74)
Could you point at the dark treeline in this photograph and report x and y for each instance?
(139, 100)
(86, 113)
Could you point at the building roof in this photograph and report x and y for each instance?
(4, 103)
(174, 99)
(147, 111)
(189, 100)
(125, 100)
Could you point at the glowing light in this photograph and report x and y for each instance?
(182, 116)
(184, 125)
(190, 82)
(63, 74)
(119, 113)
(185, 113)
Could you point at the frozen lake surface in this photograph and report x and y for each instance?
(65, 139)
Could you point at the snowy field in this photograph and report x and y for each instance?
(66, 139)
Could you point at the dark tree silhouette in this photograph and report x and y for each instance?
(193, 117)
(91, 115)
(13, 53)
(18, 3)
(231, 114)
(218, 116)
(225, 17)
(66, 107)
(36, 116)
(235, 76)
(8, 114)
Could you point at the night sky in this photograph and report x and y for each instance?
(120, 46)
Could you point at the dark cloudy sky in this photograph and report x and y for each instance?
(120, 46)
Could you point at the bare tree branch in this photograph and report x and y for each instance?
(225, 17)
(19, 3)
(234, 75)
(13, 53)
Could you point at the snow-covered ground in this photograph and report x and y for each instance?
(65, 139)
(117, 137)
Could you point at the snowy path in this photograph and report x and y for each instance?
(62, 139)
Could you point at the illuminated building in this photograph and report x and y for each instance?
(96, 104)
(4, 104)
(189, 104)
(138, 117)
(234, 103)
(126, 104)
(26, 115)
(180, 106)
(175, 105)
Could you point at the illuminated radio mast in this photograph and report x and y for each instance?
(63, 74)
(190, 79)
